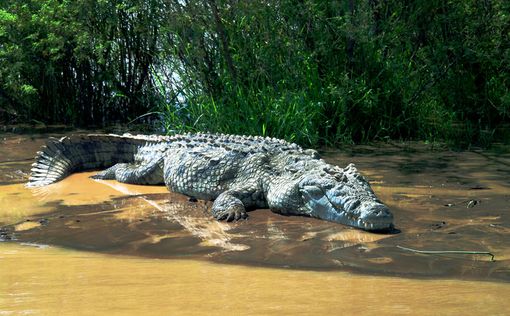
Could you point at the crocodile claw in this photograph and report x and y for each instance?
(230, 215)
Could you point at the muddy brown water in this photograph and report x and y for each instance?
(85, 246)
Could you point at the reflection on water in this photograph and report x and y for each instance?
(105, 238)
(53, 281)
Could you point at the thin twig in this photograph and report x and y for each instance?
(463, 252)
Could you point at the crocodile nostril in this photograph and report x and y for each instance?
(381, 211)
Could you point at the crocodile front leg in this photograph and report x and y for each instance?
(231, 204)
(228, 207)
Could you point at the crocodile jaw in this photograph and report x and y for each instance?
(364, 212)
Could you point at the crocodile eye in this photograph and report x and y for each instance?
(214, 161)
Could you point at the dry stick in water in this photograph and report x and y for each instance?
(436, 252)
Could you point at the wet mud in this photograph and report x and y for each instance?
(441, 200)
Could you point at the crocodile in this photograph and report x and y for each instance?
(236, 172)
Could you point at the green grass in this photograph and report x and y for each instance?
(290, 116)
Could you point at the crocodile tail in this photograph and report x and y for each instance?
(60, 157)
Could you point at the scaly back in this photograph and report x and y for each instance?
(60, 157)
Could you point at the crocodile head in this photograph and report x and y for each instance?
(343, 196)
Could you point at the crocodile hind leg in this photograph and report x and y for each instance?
(109, 174)
(133, 173)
